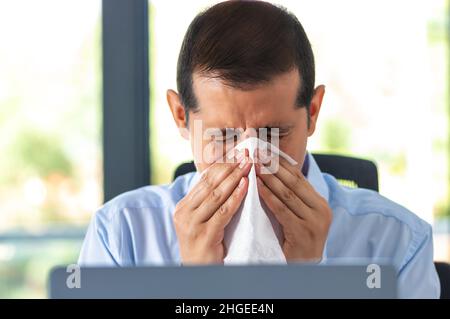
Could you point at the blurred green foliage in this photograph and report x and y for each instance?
(40, 154)
(336, 136)
(26, 275)
(50, 141)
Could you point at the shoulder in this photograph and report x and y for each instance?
(360, 202)
(136, 227)
(152, 197)
(374, 224)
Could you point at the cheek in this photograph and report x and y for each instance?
(206, 152)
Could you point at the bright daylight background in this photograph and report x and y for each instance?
(384, 64)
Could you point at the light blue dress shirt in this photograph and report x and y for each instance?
(136, 229)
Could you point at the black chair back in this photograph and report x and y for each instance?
(348, 170)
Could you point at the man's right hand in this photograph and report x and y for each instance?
(201, 216)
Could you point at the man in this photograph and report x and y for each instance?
(249, 65)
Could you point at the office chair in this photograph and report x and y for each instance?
(348, 170)
(353, 172)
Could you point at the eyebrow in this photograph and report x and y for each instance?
(228, 130)
(281, 127)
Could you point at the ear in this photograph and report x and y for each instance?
(178, 113)
(314, 108)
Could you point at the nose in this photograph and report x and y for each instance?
(249, 132)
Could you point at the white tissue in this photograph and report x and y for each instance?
(254, 235)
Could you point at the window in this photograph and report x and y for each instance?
(50, 104)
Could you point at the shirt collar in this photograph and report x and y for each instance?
(316, 179)
(193, 180)
(310, 167)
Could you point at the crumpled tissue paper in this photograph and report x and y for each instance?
(254, 236)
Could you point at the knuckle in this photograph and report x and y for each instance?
(299, 175)
(236, 195)
(179, 205)
(287, 195)
(223, 210)
(191, 196)
(230, 167)
(297, 184)
(236, 172)
(205, 179)
(215, 196)
(291, 183)
(280, 207)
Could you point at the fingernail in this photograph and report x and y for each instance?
(244, 161)
(241, 182)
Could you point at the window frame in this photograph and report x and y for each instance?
(126, 130)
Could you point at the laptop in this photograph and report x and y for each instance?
(225, 282)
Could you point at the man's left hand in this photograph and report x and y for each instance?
(304, 215)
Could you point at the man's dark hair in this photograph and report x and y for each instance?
(245, 43)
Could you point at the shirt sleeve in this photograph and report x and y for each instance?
(418, 277)
(98, 248)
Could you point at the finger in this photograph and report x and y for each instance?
(209, 179)
(229, 208)
(299, 183)
(221, 193)
(267, 158)
(281, 212)
(293, 178)
(286, 195)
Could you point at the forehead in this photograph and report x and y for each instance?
(222, 105)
